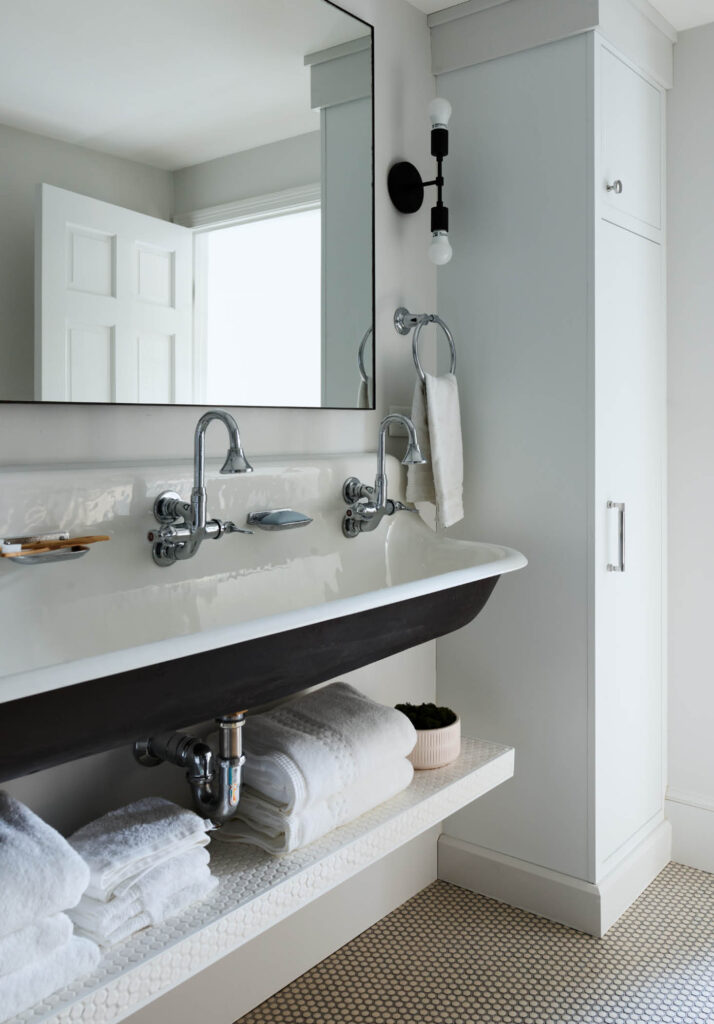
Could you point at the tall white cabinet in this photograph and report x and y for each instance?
(556, 295)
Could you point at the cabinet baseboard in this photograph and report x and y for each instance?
(587, 906)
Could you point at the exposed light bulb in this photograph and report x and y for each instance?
(440, 251)
(439, 112)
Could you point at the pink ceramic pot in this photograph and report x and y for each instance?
(437, 747)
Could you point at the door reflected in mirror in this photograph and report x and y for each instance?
(192, 236)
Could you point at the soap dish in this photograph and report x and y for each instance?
(48, 547)
(43, 557)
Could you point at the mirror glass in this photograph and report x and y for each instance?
(186, 203)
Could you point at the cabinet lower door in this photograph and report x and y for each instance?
(629, 478)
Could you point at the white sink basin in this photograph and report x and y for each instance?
(113, 614)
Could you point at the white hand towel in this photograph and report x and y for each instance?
(124, 844)
(261, 823)
(437, 418)
(33, 941)
(320, 743)
(40, 873)
(199, 889)
(152, 894)
(40, 978)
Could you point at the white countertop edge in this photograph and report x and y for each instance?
(62, 675)
(140, 984)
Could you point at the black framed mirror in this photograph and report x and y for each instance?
(186, 203)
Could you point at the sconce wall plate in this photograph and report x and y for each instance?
(406, 189)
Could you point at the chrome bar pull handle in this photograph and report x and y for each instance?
(620, 508)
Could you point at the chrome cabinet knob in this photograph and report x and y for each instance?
(615, 186)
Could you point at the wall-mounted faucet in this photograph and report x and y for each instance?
(214, 781)
(184, 524)
(367, 505)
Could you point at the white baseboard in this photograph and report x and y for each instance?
(692, 820)
(589, 907)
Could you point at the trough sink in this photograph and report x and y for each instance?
(112, 646)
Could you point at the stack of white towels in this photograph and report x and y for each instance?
(147, 862)
(318, 762)
(40, 877)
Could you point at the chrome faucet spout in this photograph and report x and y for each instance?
(412, 455)
(236, 461)
(369, 505)
(184, 525)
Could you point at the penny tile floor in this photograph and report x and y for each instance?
(448, 956)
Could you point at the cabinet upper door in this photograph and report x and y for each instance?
(631, 120)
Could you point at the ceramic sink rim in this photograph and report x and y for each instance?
(69, 673)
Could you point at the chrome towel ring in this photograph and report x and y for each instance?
(404, 322)
(360, 355)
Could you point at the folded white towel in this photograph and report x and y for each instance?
(40, 873)
(197, 890)
(40, 978)
(262, 823)
(154, 894)
(437, 418)
(33, 941)
(320, 743)
(124, 844)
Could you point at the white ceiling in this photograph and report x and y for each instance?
(681, 14)
(169, 83)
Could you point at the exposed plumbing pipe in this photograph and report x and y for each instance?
(214, 780)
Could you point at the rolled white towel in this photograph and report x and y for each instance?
(320, 743)
(40, 873)
(124, 844)
(195, 891)
(153, 895)
(262, 823)
(33, 941)
(437, 418)
(21, 989)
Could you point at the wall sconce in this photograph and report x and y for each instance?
(406, 189)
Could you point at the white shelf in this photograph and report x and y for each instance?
(257, 890)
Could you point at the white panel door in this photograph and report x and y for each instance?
(629, 468)
(113, 303)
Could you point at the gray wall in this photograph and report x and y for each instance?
(27, 160)
(285, 164)
(691, 444)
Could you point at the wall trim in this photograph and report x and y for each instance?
(692, 818)
(472, 36)
(482, 30)
(587, 906)
(241, 211)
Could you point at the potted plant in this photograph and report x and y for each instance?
(438, 734)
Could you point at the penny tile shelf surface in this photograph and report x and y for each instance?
(257, 890)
